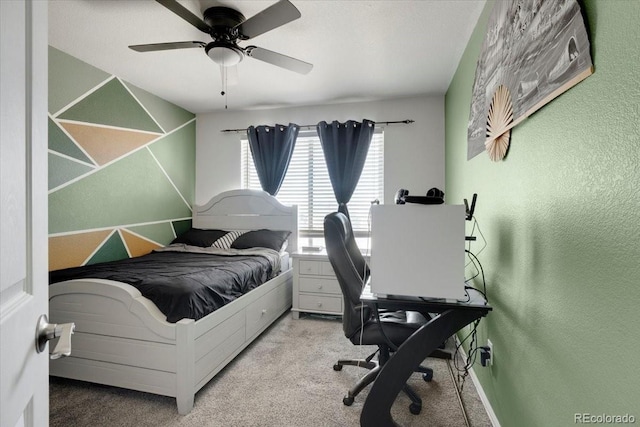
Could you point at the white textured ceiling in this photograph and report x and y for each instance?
(361, 50)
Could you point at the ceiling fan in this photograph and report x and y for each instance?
(227, 26)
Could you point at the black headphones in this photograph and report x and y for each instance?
(434, 196)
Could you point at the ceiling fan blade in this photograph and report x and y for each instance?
(165, 46)
(272, 17)
(185, 14)
(279, 60)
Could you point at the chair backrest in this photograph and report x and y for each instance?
(340, 243)
(361, 265)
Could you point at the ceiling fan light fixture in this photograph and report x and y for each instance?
(225, 54)
(226, 26)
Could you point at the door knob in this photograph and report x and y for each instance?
(46, 331)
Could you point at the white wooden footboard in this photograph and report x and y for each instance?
(122, 339)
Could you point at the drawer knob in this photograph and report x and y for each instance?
(319, 286)
(319, 304)
(264, 311)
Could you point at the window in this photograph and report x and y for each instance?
(307, 185)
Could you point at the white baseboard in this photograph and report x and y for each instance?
(483, 396)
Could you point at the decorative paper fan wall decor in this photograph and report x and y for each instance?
(498, 129)
(536, 50)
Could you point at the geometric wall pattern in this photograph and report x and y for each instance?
(121, 166)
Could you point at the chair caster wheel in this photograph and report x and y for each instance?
(348, 401)
(415, 408)
(337, 367)
(427, 376)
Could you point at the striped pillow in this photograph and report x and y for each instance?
(225, 241)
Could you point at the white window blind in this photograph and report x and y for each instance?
(307, 184)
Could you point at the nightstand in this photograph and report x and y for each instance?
(315, 287)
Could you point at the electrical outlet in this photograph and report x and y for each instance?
(491, 352)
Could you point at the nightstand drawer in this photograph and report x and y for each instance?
(319, 285)
(321, 303)
(316, 268)
(310, 267)
(326, 269)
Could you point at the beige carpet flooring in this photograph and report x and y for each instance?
(285, 378)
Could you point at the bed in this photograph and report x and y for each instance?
(122, 338)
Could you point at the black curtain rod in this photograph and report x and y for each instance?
(405, 122)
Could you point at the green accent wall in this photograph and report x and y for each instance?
(63, 170)
(71, 79)
(130, 191)
(561, 216)
(112, 249)
(62, 144)
(171, 154)
(162, 232)
(181, 227)
(146, 188)
(111, 104)
(168, 115)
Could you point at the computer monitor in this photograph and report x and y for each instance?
(418, 250)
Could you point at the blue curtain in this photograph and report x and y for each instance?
(271, 148)
(345, 147)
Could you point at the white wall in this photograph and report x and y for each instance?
(414, 153)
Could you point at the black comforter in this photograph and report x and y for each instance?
(181, 284)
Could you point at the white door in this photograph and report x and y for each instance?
(24, 398)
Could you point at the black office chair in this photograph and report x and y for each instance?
(360, 325)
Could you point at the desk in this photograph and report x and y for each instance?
(452, 317)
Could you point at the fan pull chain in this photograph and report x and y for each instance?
(224, 74)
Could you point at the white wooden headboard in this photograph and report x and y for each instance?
(248, 210)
